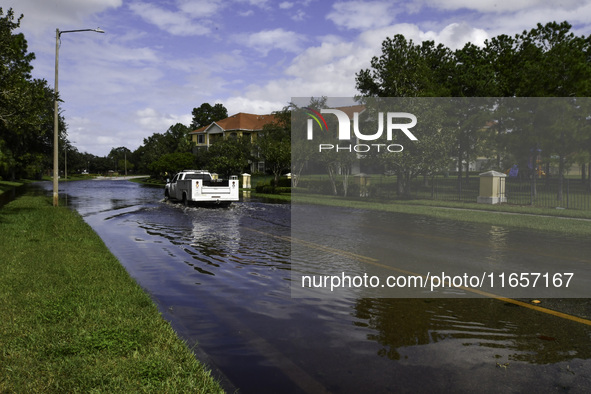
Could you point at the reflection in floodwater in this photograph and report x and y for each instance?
(497, 329)
(223, 278)
(336, 241)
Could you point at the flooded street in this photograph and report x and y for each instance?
(222, 277)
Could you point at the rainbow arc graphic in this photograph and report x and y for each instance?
(317, 117)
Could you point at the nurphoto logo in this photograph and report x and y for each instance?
(344, 130)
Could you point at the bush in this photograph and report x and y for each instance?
(282, 182)
(265, 189)
(270, 189)
(320, 186)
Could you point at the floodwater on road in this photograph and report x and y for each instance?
(222, 277)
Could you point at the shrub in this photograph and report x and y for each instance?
(282, 182)
(270, 189)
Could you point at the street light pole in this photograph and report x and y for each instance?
(55, 122)
(58, 34)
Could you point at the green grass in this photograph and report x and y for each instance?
(276, 197)
(523, 209)
(71, 177)
(6, 185)
(530, 218)
(73, 320)
(575, 192)
(149, 181)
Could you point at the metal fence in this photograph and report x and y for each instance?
(576, 194)
(573, 194)
(438, 188)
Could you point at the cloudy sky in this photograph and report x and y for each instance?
(160, 59)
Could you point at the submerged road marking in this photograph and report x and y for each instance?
(375, 262)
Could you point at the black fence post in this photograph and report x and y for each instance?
(567, 191)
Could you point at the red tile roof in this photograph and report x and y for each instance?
(241, 121)
(249, 122)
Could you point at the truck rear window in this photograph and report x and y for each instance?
(205, 177)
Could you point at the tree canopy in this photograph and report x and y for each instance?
(546, 61)
(229, 156)
(274, 143)
(26, 107)
(206, 114)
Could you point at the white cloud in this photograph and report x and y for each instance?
(252, 106)
(454, 35)
(121, 87)
(329, 69)
(177, 23)
(267, 40)
(321, 60)
(200, 8)
(286, 5)
(41, 16)
(103, 140)
(154, 121)
(496, 6)
(457, 35)
(257, 3)
(299, 16)
(506, 17)
(526, 19)
(362, 15)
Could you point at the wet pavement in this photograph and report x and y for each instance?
(223, 278)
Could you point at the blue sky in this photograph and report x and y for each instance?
(160, 59)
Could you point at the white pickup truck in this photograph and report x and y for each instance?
(198, 186)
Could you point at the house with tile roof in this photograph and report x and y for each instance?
(240, 125)
(244, 125)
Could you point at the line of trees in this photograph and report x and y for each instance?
(27, 119)
(26, 107)
(546, 61)
(162, 154)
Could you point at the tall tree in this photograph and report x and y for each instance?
(274, 143)
(555, 63)
(547, 61)
(229, 156)
(411, 70)
(302, 151)
(120, 157)
(175, 139)
(26, 110)
(206, 114)
(406, 69)
(171, 163)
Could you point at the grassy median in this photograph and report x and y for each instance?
(570, 223)
(7, 185)
(73, 320)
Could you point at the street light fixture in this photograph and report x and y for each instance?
(58, 34)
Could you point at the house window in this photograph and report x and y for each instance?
(201, 139)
